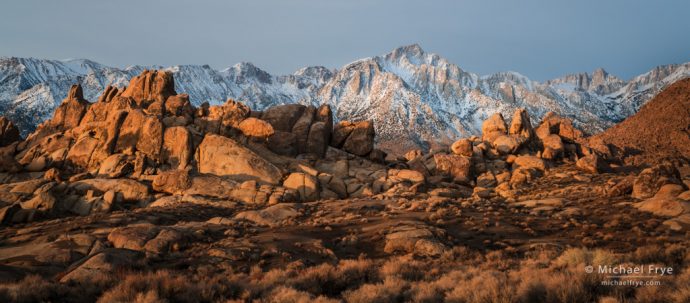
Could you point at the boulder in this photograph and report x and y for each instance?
(283, 143)
(650, 180)
(554, 124)
(408, 175)
(71, 111)
(521, 125)
(106, 263)
(255, 128)
(177, 148)
(140, 132)
(223, 156)
(361, 139)
(283, 117)
(413, 154)
(223, 119)
(302, 127)
(456, 167)
(508, 144)
(9, 133)
(134, 236)
(334, 184)
(80, 153)
(130, 190)
(306, 185)
(341, 132)
(666, 202)
(150, 86)
(418, 240)
(494, 127)
(173, 182)
(317, 142)
(116, 166)
(462, 147)
(553, 142)
(591, 164)
(271, 216)
(528, 162)
(179, 105)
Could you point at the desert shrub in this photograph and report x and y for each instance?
(673, 255)
(404, 268)
(578, 257)
(284, 294)
(426, 292)
(489, 286)
(391, 290)
(329, 280)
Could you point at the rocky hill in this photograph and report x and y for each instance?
(660, 130)
(413, 97)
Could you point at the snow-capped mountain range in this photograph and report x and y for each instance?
(413, 97)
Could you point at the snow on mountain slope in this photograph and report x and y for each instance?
(413, 97)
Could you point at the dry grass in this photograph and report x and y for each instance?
(459, 276)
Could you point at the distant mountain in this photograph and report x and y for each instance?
(413, 97)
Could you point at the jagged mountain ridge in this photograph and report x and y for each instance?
(413, 97)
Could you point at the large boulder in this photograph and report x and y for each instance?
(591, 163)
(650, 180)
(527, 162)
(283, 143)
(179, 105)
(283, 117)
(317, 142)
(354, 137)
(462, 147)
(508, 144)
(103, 264)
(177, 147)
(80, 153)
(141, 132)
(272, 216)
(555, 124)
(150, 86)
(71, 111)
(325, 114)
(306, 185)
(255, 128)
(521, 125)
(666, 202)
(456, 167)
(494, 127)
(9, 133)
(223, 156)
(129, 189)
(224, 119)
(302, 127)
(116, 166)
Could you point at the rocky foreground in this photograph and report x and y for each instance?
(143, 197)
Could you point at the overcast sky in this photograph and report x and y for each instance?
(540, 39)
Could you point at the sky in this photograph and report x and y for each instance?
(540, 39)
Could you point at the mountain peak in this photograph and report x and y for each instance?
(408, 51)
(249, 70)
